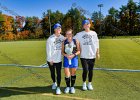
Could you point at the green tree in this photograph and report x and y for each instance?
(49, 19)
(97, 21)
(73, 19)
(113, 13)
(113, 16)
(31, 23)
(132, 16)
(129, 18)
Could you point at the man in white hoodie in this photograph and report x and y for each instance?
(89, 45)
(54, 57)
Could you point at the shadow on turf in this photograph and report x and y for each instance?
(11, 91)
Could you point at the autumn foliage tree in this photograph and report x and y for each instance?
(125, 21)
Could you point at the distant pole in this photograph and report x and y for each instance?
(50, 22)
(100, 6)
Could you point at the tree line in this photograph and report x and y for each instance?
(123, 21)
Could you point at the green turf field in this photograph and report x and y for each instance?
(34, 84)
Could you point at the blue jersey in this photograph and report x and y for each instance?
(74, 60)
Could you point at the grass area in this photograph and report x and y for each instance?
(33, 84)
(119, 37)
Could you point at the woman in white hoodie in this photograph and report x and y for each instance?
(89, 45)
(54, 57)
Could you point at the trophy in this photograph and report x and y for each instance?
(68, 50)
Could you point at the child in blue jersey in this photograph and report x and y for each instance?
(70, 50)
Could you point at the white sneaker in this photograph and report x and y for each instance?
(84, 86)
(67, 89)
(58, 91)
(54, 85)
(90, 86)
(72, 90)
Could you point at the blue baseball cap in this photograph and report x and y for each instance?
(85, 22)
(56, 25)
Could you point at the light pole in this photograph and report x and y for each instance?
(100, 6)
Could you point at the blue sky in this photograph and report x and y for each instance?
(37, 7)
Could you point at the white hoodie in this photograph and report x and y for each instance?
(53, 48)
(89, 43)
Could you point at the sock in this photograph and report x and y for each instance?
(73, 78)
(67, 79)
